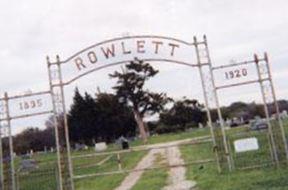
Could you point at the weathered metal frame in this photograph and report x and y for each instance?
(274, 101)
(124, 38)
(1, 161)
(60, 108)
(205, 90)
(261, 79)
(7, 118)
(123, 62)
(60, 84)
(65, 61)
(209, 89)
(11, 174)
(8, 98)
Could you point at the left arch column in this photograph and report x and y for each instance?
(64, 162)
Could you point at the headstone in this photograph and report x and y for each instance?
(28, 165)
(247, 144)
(228, 122)
(100, 146)
(258, 124)
(284, 114)
(80, 147)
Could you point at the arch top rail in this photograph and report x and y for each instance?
(26, 95)
(236, 64)
(140, 37)
(123, 62)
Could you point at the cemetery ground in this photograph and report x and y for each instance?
(206, 175)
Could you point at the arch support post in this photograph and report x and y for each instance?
(7, 179)
(64, 161)
(276, 106)
(212, 102)
(277, 136)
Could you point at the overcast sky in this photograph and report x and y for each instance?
(33, 29)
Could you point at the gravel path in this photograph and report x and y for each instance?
(177, 175)
(133, 177)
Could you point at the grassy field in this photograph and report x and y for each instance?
(111, 181)
(206, 175)
(208, 178)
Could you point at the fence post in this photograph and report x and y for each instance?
(11, 152)
(272, 141)
(119, 162)
(1, 161)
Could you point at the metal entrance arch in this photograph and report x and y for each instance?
(120, 51)
(123, 50)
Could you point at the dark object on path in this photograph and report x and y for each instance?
(123, 142)
(125, 145)
(201, 167)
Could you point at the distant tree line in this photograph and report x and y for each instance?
(182, 115)
(108, 116)
(101, 118)
(32, 138)
(246, 111)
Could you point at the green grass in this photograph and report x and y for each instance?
(174, 136)
(208, 178)
(153, 179)
(206, 175)
(44, 178)
(108, 182)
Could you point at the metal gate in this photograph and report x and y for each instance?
(45, 179)
(103, 55)
(270, 139)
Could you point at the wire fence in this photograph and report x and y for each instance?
(253, 147)
(39, 179)
(121, 162)
(258, 154)
(201, 151)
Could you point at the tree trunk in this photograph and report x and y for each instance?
(141, 125)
